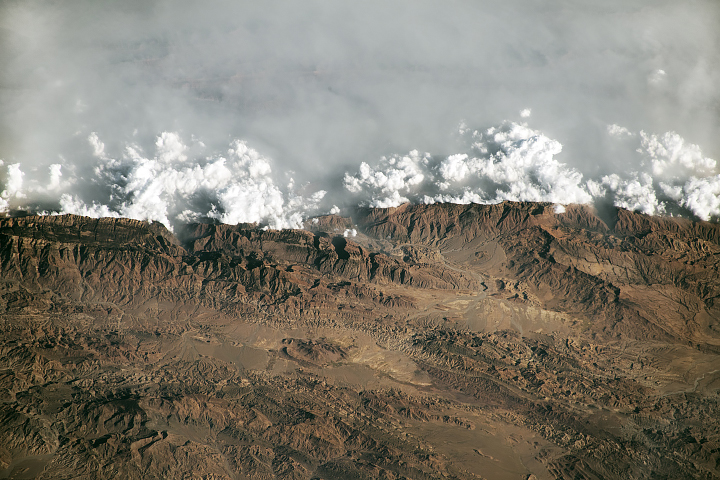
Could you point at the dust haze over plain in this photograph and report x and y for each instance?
(273, 111)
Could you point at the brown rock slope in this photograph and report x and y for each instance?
(647, 277)
(444, 341)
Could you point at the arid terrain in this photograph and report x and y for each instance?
(441, 341)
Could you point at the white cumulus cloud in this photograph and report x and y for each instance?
(167, 187)
(702, 196)
(671, 156)
(670, 173)
(618, 131)
(508, 162)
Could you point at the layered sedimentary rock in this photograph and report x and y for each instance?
(428, 341)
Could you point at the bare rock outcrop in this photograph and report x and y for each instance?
(428, 341)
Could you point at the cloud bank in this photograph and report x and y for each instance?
(179, 183)
(139, 108)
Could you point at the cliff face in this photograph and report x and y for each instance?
(466, 341)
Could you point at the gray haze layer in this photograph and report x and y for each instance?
(316, 88)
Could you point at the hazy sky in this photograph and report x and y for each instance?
(136, 107)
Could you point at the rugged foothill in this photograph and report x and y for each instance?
(426, 341)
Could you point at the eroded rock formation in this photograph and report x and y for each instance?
(436, 341)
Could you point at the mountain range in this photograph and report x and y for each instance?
(503, 341)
